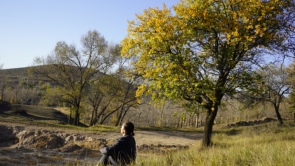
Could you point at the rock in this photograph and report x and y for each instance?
(7, 136)
(79, 138)
(70, 148)
(54, 142)
(25, 134)
(249, 123)
(89, 139)
(69, 138)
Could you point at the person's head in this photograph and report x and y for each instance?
(127, 128)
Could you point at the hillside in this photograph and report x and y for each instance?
(20, 72)
(15, 76)
(31, 112)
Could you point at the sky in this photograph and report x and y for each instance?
(31, 28)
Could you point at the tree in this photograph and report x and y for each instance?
(205, 49)
(71, 70)
(2, 84)
(277, 87)
(50, 96)
(119, 98)
(128, 84)
(103, 96)
(291, 78)
(112, 94)
(273, 87)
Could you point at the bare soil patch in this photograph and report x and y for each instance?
(25, 141)
(25, 144)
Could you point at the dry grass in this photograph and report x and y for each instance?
(64, 110)
(262, 145)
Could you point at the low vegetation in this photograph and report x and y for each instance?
(265, 144)
(259, 144)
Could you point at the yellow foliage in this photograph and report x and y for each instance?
(175, 49)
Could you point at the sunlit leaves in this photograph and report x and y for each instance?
(195, 52)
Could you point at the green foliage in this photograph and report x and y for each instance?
(50, 97)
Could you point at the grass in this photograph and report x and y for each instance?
(45, 117)
(262, 145)
(56, 124)
(259, 145)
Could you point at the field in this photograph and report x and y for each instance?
(262, 144)
(26, 131)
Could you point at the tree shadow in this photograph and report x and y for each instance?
(4, 106)
(36, 113)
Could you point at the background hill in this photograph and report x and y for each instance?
(16, 76)
(10, 112)
(15, 72)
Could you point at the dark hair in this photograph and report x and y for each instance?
(129, 128)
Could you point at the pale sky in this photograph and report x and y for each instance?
(31, 28)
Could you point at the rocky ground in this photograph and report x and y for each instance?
(22, 144)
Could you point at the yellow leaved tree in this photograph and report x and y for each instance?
(205, 49)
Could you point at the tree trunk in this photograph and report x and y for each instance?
(94, 117)
(119, 116)
(2, 95)
(197, 121)
(209, 126)
(278, 115)
(109, 114)
(76, 118)
(70, 117)
(197, 117)
(123, 116)
(95, 104)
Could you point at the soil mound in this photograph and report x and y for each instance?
(23, 144)
(18, 136)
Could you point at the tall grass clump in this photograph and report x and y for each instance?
(263, 145)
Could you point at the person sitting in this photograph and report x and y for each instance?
(123, 151)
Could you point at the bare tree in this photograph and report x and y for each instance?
(277, 86)
(272, 87)
(71, 70)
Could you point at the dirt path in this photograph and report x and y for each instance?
(166, 138)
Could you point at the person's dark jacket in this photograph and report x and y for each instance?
(123, 151)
